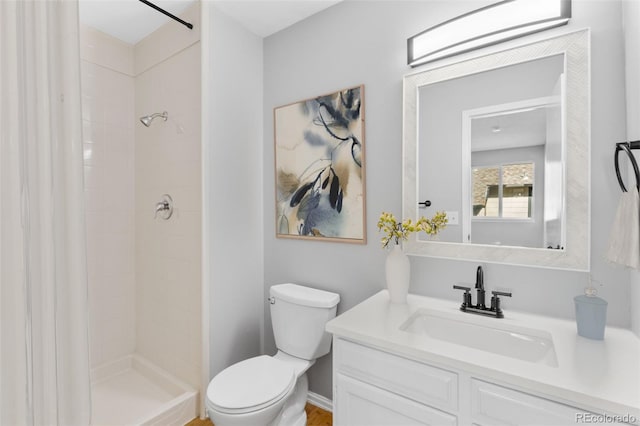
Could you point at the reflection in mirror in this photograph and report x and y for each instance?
(501, 143)
(498, 138)
(502, 192)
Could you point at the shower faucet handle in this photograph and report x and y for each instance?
(160, 207)
(164, 207)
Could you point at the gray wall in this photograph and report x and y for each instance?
(631, 24)
(358, 42)
(232, 196)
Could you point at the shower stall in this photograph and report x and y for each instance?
(142, 156)
(108, 308)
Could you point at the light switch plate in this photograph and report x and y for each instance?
(452, 218)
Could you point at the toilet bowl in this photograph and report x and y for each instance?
(263, 390)
(272, 390)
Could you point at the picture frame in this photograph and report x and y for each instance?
(319, 156)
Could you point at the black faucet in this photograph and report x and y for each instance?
(480, 288)
(480, 308)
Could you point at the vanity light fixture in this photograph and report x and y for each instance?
(489, 25)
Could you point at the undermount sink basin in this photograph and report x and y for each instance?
(525, 344)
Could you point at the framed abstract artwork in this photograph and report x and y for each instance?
(320, 168)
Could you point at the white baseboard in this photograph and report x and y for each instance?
(320, 401)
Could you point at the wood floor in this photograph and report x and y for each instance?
(315, 417)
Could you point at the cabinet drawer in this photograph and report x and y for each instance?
(408, 378)
(360, 404)
(496, 405)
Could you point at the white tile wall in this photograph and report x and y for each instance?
(108, 133)
(168, 253)
(144, 274)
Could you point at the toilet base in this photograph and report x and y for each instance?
(302, 420)
(293, 413)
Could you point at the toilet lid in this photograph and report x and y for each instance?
(251, 383)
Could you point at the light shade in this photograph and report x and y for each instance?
(489, 25)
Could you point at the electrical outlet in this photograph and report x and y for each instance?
(452, 218)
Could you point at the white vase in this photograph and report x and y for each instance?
(398, 272)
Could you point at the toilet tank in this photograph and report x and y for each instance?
(298, 317)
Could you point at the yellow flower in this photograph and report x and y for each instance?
(388, 224)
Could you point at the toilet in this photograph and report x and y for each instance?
(272, 390)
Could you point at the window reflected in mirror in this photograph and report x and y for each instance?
(503, 192)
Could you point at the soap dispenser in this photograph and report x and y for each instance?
(591, 313)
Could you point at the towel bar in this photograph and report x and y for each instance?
(627, 147)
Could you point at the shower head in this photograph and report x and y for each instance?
(147, 119)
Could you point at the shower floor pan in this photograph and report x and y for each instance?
(132, 391)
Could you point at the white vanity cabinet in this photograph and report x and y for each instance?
(377, 388)
(387, 372)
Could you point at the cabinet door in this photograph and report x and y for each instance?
(496, 405)
(360, 404)
(415, 380)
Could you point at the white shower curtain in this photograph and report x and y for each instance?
(44, 360)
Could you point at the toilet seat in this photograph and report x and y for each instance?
(250, 385)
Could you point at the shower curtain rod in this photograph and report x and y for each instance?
(170, 15)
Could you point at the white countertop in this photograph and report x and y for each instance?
(597, 375)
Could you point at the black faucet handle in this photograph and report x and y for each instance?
(466, 297)
(495, 302)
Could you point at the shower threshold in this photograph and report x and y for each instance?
(132, 391)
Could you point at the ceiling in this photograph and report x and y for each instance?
(131, 20)
(128, 20)
(510, 130)
(266, 17)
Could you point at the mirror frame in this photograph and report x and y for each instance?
(575, 47)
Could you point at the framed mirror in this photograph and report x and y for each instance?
(501, 143)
